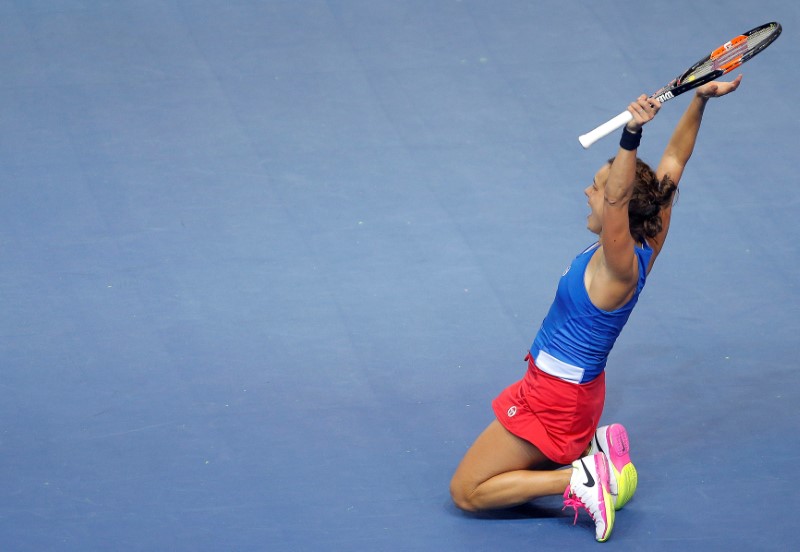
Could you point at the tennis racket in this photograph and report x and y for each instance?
(723, 60)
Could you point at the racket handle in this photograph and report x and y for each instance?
(605, 129)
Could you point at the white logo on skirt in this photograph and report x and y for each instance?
(512, 411)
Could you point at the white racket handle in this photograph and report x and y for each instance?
(605, 129)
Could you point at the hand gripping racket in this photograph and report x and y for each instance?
(724, 59)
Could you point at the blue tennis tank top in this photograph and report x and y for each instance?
(575, 337)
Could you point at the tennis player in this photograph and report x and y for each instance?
(550, 418)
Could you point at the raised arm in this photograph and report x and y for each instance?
(618, 254)
(681, 145)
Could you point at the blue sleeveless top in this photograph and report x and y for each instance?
(575, 337)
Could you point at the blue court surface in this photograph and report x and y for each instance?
(264, 265)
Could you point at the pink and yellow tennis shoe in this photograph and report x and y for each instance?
(589, 489)
(612, 441)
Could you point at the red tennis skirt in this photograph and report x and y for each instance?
(558, 417)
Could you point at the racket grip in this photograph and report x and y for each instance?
(605, 129)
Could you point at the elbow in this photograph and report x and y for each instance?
(619, 199)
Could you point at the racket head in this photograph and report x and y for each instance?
(736, 51)
(722, 60)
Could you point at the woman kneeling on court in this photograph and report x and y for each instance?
(550, 418)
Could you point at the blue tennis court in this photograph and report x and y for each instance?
(265, 264)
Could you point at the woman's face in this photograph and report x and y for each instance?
(596, 194)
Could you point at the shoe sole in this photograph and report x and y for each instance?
(602, 465)
(620, 463)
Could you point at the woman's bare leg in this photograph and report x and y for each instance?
(501, 470)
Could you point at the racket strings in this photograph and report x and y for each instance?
(757, 38)
(701, 70)
(733, 53)
(752, 44)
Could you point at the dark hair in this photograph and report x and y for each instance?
(650, 196)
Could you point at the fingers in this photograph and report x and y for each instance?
(735, 83)
(643, 111)
(716, 89)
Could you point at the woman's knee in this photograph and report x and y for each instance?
(462, 492)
